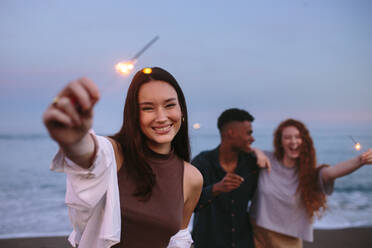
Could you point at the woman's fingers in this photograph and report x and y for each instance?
(78, 95)
(65, 105)
(54, 115)
(366, 157)
(82, 92)
(91, 88)
(73, 106)
(70, 115)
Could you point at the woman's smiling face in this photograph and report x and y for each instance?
(291, 142)
(160, 114)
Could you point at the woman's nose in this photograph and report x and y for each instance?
(161, 115)
(293, 140)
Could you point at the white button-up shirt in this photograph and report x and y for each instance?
(92, 198)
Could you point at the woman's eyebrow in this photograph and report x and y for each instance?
(171, 99)
(166, 101)
(146, 103)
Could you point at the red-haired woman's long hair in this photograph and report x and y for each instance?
(312, 197)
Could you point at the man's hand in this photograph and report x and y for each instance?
(262, 160)
(230, 182)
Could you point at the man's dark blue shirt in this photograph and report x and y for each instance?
(223, 221)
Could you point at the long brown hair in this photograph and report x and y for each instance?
(133, 141)
(311, 195)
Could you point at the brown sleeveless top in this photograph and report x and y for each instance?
(152, 223)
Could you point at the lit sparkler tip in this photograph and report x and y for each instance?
(196, 126)
(358, 146)
(124, 67)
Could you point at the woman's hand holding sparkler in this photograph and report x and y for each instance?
(366, 157)
(69, 118)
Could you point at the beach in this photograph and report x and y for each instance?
(341, 238)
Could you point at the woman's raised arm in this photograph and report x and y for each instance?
(347, 167)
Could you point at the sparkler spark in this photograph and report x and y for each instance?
(124, 68)
(357, 145)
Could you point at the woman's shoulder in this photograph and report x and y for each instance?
(192, 176)
(192, 184)
(119, 157)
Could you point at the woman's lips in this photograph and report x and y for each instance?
(163, 129)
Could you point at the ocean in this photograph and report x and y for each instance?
(32, 197)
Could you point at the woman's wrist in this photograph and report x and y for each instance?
(361, 161)
(82, 151)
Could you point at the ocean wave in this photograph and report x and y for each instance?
(352, 189)
(340, 225)
(33, 235)
(23, 136)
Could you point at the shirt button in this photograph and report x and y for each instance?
(90, 175)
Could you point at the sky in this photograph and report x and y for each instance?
(305, 59)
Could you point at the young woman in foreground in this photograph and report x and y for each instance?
(145, 163)
(294, 192)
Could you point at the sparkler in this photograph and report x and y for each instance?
(357, 145)
(124, 68)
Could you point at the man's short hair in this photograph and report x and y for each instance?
(233, 114)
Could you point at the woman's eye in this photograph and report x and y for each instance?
(170, 105)
(146, 108)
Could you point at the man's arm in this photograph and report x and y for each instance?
(263, 161)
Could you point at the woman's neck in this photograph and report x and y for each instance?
(159, 148)
(289, 162)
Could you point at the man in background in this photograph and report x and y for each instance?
(230, 174)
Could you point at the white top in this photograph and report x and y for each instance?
(277, 207)
(92, 198)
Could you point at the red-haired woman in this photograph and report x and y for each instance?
(294, 192)
(136, 188)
